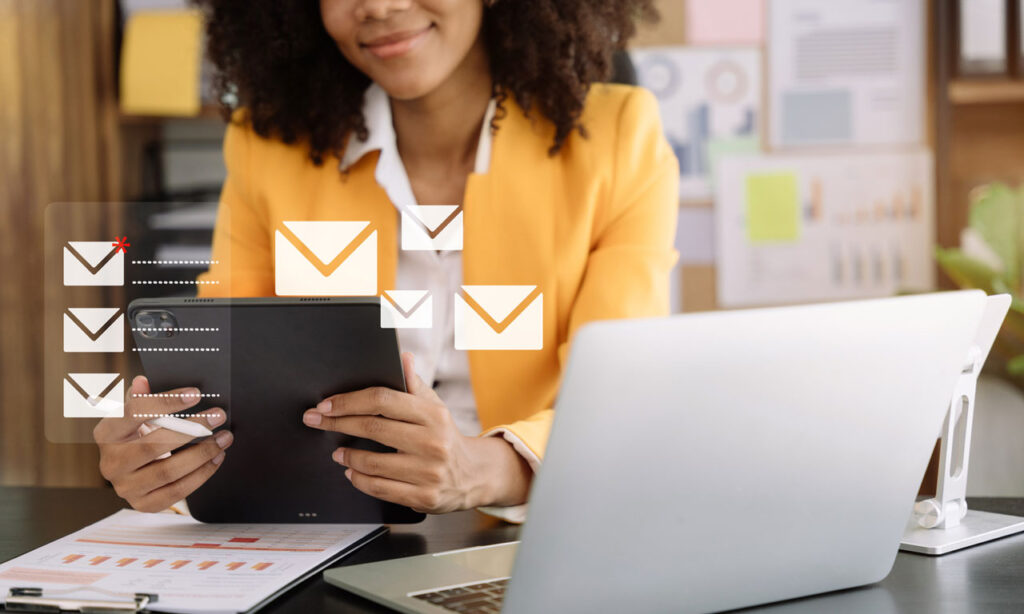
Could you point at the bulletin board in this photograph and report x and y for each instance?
(754, 88)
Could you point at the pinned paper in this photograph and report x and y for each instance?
(823, 226)
(773, 208)
(724, 22)
(703, 94)
(161, 62)
(734, 146)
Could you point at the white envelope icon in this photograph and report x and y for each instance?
(93, 329)
(406, 309)
(93, 263)
(94, 395)
(432, 227)
(325, 259)
(499, 318)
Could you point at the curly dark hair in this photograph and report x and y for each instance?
(275, 59)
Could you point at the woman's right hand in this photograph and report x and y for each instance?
(133, 455)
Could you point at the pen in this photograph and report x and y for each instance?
(179, 425)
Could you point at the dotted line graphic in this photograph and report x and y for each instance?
(201, 415)
(176, 349)
(211, 395)
(176, 330)
(175, 261)
(175, 282)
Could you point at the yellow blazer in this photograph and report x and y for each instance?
(593, 226)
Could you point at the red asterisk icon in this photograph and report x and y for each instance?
(121, 244)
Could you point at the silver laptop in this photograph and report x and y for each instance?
(714, 461)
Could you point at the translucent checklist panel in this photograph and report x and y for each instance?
(120, 287)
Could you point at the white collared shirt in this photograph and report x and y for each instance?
(438, 363)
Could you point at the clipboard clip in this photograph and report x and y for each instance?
(29, 599)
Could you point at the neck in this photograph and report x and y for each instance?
(443, 127)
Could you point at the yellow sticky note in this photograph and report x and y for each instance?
(773, 208)
(160, 63)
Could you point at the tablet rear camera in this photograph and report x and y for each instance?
(156, 323)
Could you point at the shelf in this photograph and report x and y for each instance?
(986, 91)
(207, 111)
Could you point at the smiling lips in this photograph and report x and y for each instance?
(397, 43)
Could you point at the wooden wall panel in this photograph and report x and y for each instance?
(986, 144)
(668, 31)
(59, 125)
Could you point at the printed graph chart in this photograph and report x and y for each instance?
(705, 96)
(190, 565)
(826, 227)
(211, 537)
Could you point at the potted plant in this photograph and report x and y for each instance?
(991, 258)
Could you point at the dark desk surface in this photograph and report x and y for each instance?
(987, 578)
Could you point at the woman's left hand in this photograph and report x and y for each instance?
(436, 469)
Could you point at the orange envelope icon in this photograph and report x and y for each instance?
(406, 309)
(325, 259)
(432, 227)
(499, 318)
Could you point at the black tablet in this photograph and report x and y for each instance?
(266, 361)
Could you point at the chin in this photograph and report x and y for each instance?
(407, 84)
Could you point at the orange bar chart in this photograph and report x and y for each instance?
(71, 558)
(179, 564)
(152, 563)
(234, 566)
(261, 566)
(96, 560)
(207, 564)
(124, 562)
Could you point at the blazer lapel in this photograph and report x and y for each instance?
(355, 195)
(509, 240)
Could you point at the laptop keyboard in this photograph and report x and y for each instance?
(481, 598)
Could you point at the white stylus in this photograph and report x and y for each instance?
(180, 425)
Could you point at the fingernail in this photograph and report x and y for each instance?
(312, 418)
(339, 456)
(218, 459)
(189, 396)
(216, 418)
(348, 474)
(224, 438)
(324, 406)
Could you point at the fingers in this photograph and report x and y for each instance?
(157, 475)
(162, 498)
(393, 491)
(412, 380)
(397, 466)
(417, 387)
(209, 418)
(378, 401)
(141, 404)
(135, 454)
(394, 433)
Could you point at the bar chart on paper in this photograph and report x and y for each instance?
(190, 565)
(826, 227)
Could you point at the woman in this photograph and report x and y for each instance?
(358, 109)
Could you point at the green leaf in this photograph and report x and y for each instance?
(1015, 366)
(967, 272)
(995, 215)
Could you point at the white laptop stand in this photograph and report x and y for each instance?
(944, 524)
